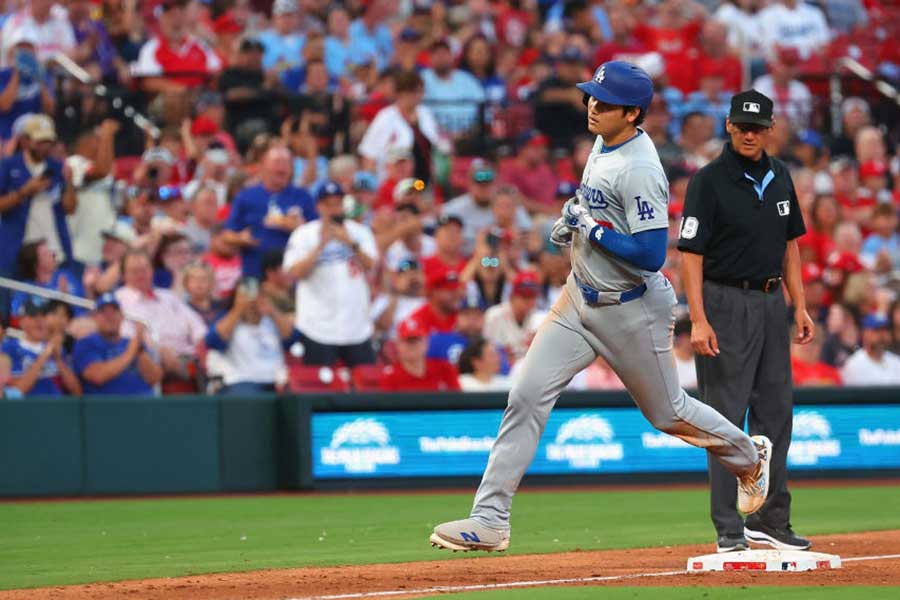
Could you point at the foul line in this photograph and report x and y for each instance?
(442, 589)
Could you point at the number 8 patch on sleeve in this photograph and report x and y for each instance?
(689, 226)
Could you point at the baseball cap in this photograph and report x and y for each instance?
(203, 125)
(873, 168)
(365, 181)
(32, 307)
(526, 284)
(448, 220)
(442, 279)
(217, 156)
(408, 264)
(39, 128)
(119, 232)
(410, 184)
(751, 107)
(566, 189)
(875, 321)
(411, 328)
(329, 189)
(620, 83)
(810, 138)
(107, 299)
(409, 34)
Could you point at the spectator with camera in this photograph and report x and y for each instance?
(224, 260)
(247, 344)
(330, 258)
(39, 364)
(448, 247)
(403, 298)
(25, 87)
(264, 215)
(45, 23)
(414, 371)
(108, 363)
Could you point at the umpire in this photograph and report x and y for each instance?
(738, 239)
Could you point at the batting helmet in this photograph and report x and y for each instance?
(620, 83)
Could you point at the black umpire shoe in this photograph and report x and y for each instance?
(731, 543)
(781, 538)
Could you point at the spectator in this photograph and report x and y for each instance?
(264, 215)
(745, 31)
(35, 196)
(247, 92)
(845, 16)
(443, 290)
(25, 87)
(842, 338)
(794, 25)
(474, 207)
(559, 107)
(684, 354)
(873, 176)
(310, 166)
(881, 250)
(213, 173)
(531, 174)
(330, 258)
(598, 376)
(489, 271)
(46, 23)
(479, 368)
(807, 367)
(448, 247)
(94, 49)
(479, 60)
(873, 364)
(512, 324)
(793, 100)
(109, 364)
(39, 365)
(37, 266)
(203, 219)
(410, 242)
(275, 284)
(818, 239)
(413, 371)
(284, 42)
(177, 328)
(107, 276)
(172, 255)
(657, 125)
(622, 45)
(399, 166)
(711, 98)
(341, 48)
(406, 123)
(697, 130)
(716, 57)
(224, 260)
(854, 116)
(371, 30)
(7, 391)
(403, 298)
(247, 345)
(175, 61)
(454, 95)
(197, 285)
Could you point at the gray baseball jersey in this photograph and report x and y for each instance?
(625, 188)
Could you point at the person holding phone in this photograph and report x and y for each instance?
(330, 259)
(24, 86)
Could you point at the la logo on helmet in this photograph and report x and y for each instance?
(601, 73)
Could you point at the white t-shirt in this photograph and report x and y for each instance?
(502, 329)
(744, 30)
(94, 214)
(52, 36)
(802, 27)
(41, 223)
(861, 369)
(390, 130)
(254, 355)
(499, 383)
(333, 299)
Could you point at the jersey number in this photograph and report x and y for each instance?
(645, 211)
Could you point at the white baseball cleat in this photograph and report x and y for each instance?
(753, 488)
(468, 534)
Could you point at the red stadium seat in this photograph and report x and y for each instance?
(366, 377)
(125, 166)
(313, 378)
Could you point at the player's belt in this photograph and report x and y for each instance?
(762, 285)
(592, 295)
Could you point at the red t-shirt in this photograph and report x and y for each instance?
(439, 376)
(815, 374)
(433, 321)
(226, 273)
(820, 243)
(678, 48)
(385, 197)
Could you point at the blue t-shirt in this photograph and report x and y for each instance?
(28, 100)
(454, 101)
(294, 80)
(278, 48)
(380, 38)
(95, 348)
(22, 355)
(339, 58)
(250, 208)
(13, 175)
(74, 287)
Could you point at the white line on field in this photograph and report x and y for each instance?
(442, 589)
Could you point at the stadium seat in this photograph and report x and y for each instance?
(125, 166)
(366, 377)
(313, 378)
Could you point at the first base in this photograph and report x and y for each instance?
(764, 560)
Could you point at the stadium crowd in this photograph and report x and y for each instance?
(358, 195)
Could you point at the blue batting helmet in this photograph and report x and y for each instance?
(620, 83)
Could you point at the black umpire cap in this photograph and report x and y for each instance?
(751, 107)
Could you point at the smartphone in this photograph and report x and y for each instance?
(337, 219)
(493, 240)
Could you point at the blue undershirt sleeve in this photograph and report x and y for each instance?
(646, 249)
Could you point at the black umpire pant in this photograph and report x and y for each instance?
(752, 370)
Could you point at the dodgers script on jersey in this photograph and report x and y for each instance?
(625, 189)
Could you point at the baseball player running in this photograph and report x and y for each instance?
(615, 304)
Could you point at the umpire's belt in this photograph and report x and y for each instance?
(594, 296)
(762, 285)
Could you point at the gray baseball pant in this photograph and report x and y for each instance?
(635, 338)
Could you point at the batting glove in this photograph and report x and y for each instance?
(560, 235)
(578, 219)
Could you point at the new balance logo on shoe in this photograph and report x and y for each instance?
(470, 536)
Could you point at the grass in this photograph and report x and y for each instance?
(79, 542)
(688, 593)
